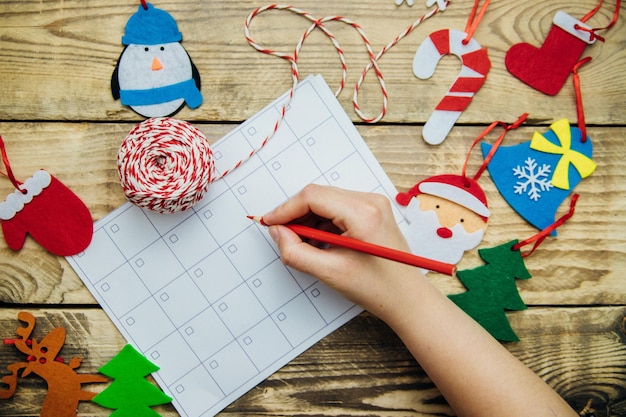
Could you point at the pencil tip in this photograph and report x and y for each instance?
(258, 219)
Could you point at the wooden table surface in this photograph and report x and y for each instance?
(57, 113)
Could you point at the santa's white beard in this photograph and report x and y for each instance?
(424, 241)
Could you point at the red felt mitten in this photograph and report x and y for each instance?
(547, 68)
(53, 215)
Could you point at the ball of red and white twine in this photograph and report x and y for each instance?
(165, 165)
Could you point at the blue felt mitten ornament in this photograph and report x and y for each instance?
(154, 75)
(535, 177)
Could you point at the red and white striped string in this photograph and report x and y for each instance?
(293, 60)
(165, 165)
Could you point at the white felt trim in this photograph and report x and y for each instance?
(456, 195)
(440, 3)
(457, 47)
(438, 125)
(567, 23)
(16, 201)
(426, 59)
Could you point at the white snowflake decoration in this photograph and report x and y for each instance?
(534, 180)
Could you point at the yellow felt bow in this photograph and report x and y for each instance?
(583, 164)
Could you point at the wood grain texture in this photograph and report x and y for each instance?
(584, 265)
(363, 369)
(57, 113)
(58, 56)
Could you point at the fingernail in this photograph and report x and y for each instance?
(274, 234)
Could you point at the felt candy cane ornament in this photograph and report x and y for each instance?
(47, 210)
(475, 66)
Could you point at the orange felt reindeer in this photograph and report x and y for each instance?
(64, 384)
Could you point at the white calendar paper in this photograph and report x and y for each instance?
(203, 293)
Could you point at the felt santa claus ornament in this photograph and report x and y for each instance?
(547, 68)
(154, 75)
(447, 215)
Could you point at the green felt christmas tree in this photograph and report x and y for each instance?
(130, 394)
(491, 289)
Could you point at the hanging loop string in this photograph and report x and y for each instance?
(474, 20)
(144, 4)
(319, 24)
(293, 58)
(9, 173)
(495, 146)
(593, 35)
(541, 236)
(373, 64)
(580, 111)
(316, 24)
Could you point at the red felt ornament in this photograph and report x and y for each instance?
(535, 177)
(47, 210)
(474, 69)
(547, 68)
(448, 213)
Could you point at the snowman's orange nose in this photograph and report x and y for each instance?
(156, 64)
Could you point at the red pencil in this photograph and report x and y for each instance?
(369, 248)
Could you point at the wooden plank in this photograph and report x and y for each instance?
(58, 57)
(584, 265)
(363, 368)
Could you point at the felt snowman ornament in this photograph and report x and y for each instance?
(155, 75)
(447, 215)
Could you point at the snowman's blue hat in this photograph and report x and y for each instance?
(151, 26)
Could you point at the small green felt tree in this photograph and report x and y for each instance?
(130, 394)
(491, 289)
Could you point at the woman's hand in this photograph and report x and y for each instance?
(367, 280)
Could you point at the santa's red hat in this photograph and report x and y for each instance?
(461, 190)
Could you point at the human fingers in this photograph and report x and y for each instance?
(367, 280)
(357, 214)
(314, 200)
(294, 252)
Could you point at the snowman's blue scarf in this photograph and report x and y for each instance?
(186, 89)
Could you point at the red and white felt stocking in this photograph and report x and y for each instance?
(547, 68)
